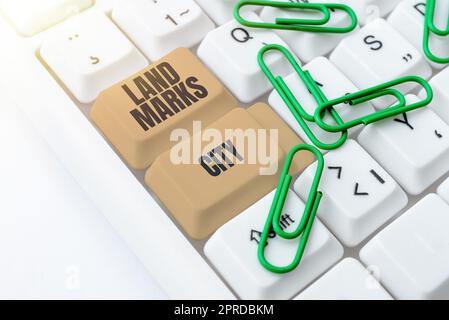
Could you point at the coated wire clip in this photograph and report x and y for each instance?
(379, 91)
(306, 25)
(430, 27)
(292, 102)
(305, 226)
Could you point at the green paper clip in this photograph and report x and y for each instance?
(430, 27)
(308, 217)
(292, 103)
(369, 94)
(306, 25)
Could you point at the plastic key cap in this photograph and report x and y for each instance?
(412, 254)
(413, 147)
(408, 18)
(85, 65)
(348, 280)
(231, 52)
(333, 84)
(139, 114)
(229, 173)
(30, 17)
(377, 54)
(158, 27)
(359, 196)
(233, 252)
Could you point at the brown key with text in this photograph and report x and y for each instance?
(238, 161)
(139, 114)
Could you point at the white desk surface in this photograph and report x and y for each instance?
(54, 244)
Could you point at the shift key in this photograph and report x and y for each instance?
(139, 114)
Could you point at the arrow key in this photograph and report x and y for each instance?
(359, 196)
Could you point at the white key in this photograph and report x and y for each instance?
(413, 147)
(440, 85)
(358, 195)
(158, 27)
(231, 52)
(308, 45)
(412, 254)
(233, 252)
(30, 17)
(90, 54)
(376, 54)
(334, 84)
(221, 11)
(348, 280)
(408, 19)
(443, 190)
(369, 10)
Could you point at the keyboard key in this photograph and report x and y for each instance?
(231, 52)
(413, 147)
(86, 65)
(358, 195)
(139, 114)
(348, 280)
(440, 103)
(230, 171)
(368, 10)
(221, 11)
(30, 17)
(377, 54)
(412, 253)
(233, 252)
(408, 19)
(333, 84)
(308, 45)
(158, 27)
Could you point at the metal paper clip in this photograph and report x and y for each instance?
(292, 103)
(369, 94)
(430, 27)
(308, 217)
(307, 25)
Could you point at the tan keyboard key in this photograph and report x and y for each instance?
(232, 170)
(139, 114)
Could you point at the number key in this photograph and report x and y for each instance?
(158, 27)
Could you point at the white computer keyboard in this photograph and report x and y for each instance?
(381, 231)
